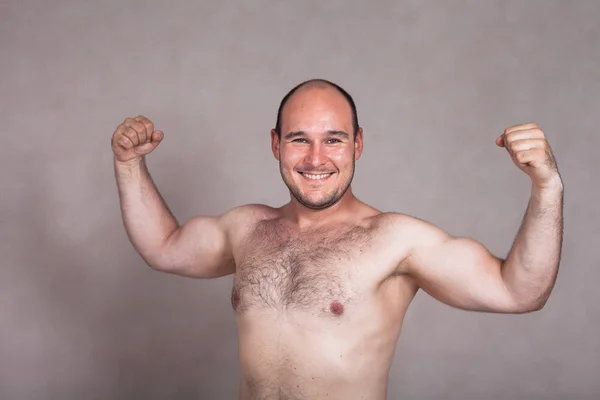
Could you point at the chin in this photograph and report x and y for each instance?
(319, 203)
(310, 197)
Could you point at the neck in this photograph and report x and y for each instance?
(305, 217)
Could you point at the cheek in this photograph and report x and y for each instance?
(291, 156)
(341, 156)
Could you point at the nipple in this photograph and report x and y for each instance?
(336, 308)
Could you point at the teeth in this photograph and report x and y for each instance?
(321, 176)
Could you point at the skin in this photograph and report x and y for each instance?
(322, 283)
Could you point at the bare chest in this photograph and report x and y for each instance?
(314, 271)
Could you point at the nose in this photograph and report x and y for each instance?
(316, 155)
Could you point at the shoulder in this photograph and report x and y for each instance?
(426, 244)
(411, 231)
(251, 212)
(241, 220)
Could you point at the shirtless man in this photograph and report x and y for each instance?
(322, 284)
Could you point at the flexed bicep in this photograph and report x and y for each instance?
(199, 248)
(460, 272)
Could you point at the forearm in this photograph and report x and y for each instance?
(147, 219)
(531, 267)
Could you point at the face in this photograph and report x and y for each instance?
(317, 150)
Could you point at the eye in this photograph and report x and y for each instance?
(298, 140)
(334, 141)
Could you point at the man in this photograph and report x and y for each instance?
(322, 283)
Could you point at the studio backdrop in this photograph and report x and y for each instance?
(435, 82)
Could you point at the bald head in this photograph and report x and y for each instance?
(321, 84)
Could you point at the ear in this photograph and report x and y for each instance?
(275, 144)
(358, 144)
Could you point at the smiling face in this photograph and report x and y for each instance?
(317, 148)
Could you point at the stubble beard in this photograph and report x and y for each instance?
(331, 198)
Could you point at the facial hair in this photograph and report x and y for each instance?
(331, 198)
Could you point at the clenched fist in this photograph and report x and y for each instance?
(530, 151)
(135, 138)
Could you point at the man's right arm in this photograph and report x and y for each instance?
(199, 248)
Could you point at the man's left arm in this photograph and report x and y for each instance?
(462, 273)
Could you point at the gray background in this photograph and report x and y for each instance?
(82, 317)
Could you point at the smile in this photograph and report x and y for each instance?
(316, 177)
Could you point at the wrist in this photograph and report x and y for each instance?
(129, 164)
(130, 169)
(551, 188)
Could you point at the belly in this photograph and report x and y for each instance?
(298, 356)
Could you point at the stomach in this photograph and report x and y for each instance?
(298, 356)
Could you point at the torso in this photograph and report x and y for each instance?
(319, 311)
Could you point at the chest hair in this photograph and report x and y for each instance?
(283, 270)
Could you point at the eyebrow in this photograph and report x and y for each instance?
(295, 134)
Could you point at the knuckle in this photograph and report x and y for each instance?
(138, 127)
(123, 133)
(140, 121)
(120, 129)
(130, 132)
(144, 120)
